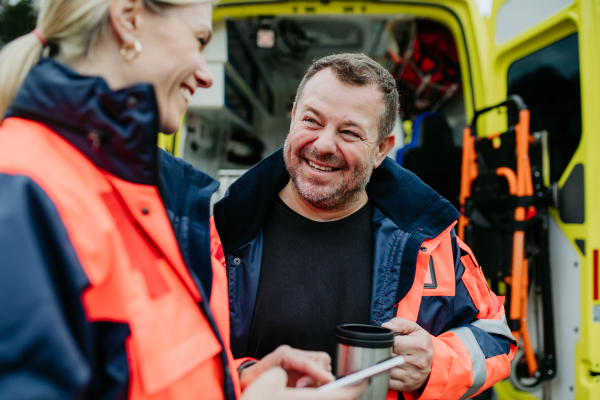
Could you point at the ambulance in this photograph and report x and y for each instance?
(499, 98)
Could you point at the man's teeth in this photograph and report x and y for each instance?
(315, 166)
(187, 95)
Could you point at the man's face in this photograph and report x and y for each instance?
(330, 151)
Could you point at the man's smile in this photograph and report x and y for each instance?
(319, 166)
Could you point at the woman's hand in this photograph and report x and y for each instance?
(304, 368)
(272, 385)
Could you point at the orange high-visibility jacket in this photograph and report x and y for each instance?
(421, 272)
(96, 300)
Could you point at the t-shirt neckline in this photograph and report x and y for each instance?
(290, 214)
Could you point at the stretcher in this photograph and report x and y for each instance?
(503, 219)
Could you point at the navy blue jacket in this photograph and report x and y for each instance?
(406, 214)
(48, 349)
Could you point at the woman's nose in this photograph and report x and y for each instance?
(203, 76)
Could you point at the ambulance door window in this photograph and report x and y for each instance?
(517, 16)
(548, 81)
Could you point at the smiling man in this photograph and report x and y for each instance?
(330, 231)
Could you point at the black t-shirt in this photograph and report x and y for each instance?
(314, 276)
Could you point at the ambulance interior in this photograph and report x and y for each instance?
(258, 63)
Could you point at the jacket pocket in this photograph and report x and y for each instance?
(170, 337)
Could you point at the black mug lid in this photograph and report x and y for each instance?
(359, 335)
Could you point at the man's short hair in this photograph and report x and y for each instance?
(360, 70)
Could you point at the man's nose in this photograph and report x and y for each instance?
(325, 143)
(203, 76)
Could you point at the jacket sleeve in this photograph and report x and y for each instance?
(472, 344)
(39, 298)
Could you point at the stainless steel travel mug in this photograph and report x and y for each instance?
(360, 346)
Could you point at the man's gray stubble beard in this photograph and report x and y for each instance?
(340, 197)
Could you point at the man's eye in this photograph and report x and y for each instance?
(310, 121)
(202, 42)
(350, 134)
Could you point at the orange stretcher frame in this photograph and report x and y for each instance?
(521, 185)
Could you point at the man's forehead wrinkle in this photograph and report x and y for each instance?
(359, 103)
(345, 121)
(320, 99)
(313, 110)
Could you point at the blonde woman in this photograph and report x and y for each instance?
(96, 298)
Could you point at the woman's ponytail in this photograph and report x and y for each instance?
(70, 27)
(16, 59)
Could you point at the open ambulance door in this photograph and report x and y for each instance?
(260, 50)
(547, 53)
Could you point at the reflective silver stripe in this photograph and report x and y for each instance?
(497, 327)
(477, 359)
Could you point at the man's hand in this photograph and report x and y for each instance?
(271, 385)
(304, 368)
(416, 347)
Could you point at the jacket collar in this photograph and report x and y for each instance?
(399, 194)
(116, 130)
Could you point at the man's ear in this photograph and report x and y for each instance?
(126, 18)
(293, 114)
(383, 148)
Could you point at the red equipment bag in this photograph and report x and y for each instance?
(426, 69)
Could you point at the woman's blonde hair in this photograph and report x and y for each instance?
(70, 28)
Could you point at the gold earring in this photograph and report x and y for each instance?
(137, 47)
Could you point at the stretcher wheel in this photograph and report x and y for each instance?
(519, 375)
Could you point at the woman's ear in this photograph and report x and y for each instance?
(126, 18)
